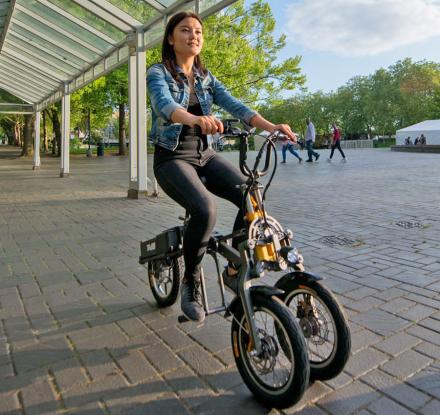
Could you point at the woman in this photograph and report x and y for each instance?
(336, 143)
(182, 92)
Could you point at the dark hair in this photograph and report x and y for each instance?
(168, 55)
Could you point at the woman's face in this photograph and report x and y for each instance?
(187, 38)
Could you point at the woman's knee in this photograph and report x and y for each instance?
(205, 212)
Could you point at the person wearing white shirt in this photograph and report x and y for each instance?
(310, 140)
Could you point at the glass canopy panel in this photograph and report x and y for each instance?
(26, 77)
(167, 3)
(36, 62)
(65, 24)
(206, 4)
(155, 33)
(26, 71)
(43, 44)
(15, 42)
(89, 18)
(60, 39)
(138, 9)
(15, 108)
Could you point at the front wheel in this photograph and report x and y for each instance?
(279, 375)
(164, 276)
(323, 324)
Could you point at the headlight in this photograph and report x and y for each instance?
(292, 256)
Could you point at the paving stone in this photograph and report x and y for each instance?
(364, 304)
(313, 393)
(385, 406)
(162, 358)
(174, 338)
(416, 313)
(213, 338)
(425, 334)
(428, 381)
(396, 305)
(38, 398)
(433, 408)
(380, 322)
(349, 399)
(9, 404)
(429, 349)
(98, 298)
(364, 361)
(188, 386)
(99, 364)
(362, 339)
(402, 393)
(200, 361)
(132, 327)
(135, 366)
(68, 373)
(397, 343)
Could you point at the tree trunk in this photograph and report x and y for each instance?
(57, 131)
(122, 150)
(27, 141)
(45, 140)
(17, 134)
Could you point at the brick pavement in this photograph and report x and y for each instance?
(80, 333)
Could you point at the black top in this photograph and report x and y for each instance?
(193, 145)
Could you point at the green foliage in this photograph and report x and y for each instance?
(240, 50)
(378, 104)
(94, 98)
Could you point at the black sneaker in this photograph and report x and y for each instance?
(309, 161)
(300, 160)
(191, 301)
(231, 282)
(283, 162)
(317, 157)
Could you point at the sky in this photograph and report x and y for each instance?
(339, 39)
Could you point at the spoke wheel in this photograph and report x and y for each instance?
(323, 325)
(164, 277)
(278, 375)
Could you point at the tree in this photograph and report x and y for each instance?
(241, 51)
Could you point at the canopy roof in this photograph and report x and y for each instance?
(51, 46)
(428, 125)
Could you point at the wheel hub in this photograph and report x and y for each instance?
(266, 360)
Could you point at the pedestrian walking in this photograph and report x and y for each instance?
(310, 141)
(336, 143)
(288, 146)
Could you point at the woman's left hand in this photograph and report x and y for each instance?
(285, 129)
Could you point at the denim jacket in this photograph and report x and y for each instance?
(168, 95)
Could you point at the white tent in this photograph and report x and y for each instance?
(429, 128)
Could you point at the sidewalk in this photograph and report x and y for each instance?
(80, 332)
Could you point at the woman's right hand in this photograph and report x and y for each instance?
(208, 124)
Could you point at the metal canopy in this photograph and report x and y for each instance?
(52, 47)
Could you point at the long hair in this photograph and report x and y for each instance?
(168, 55)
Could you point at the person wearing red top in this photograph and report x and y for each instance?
(336, 143)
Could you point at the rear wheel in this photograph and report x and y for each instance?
(164, 276)
(323, 324)
(279, 375)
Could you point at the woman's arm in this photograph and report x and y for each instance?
(261, 122)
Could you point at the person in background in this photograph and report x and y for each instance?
(288, 146)
(310, 141)
(336, 143)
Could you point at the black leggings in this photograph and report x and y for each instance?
(338, 146)
(180, 180)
